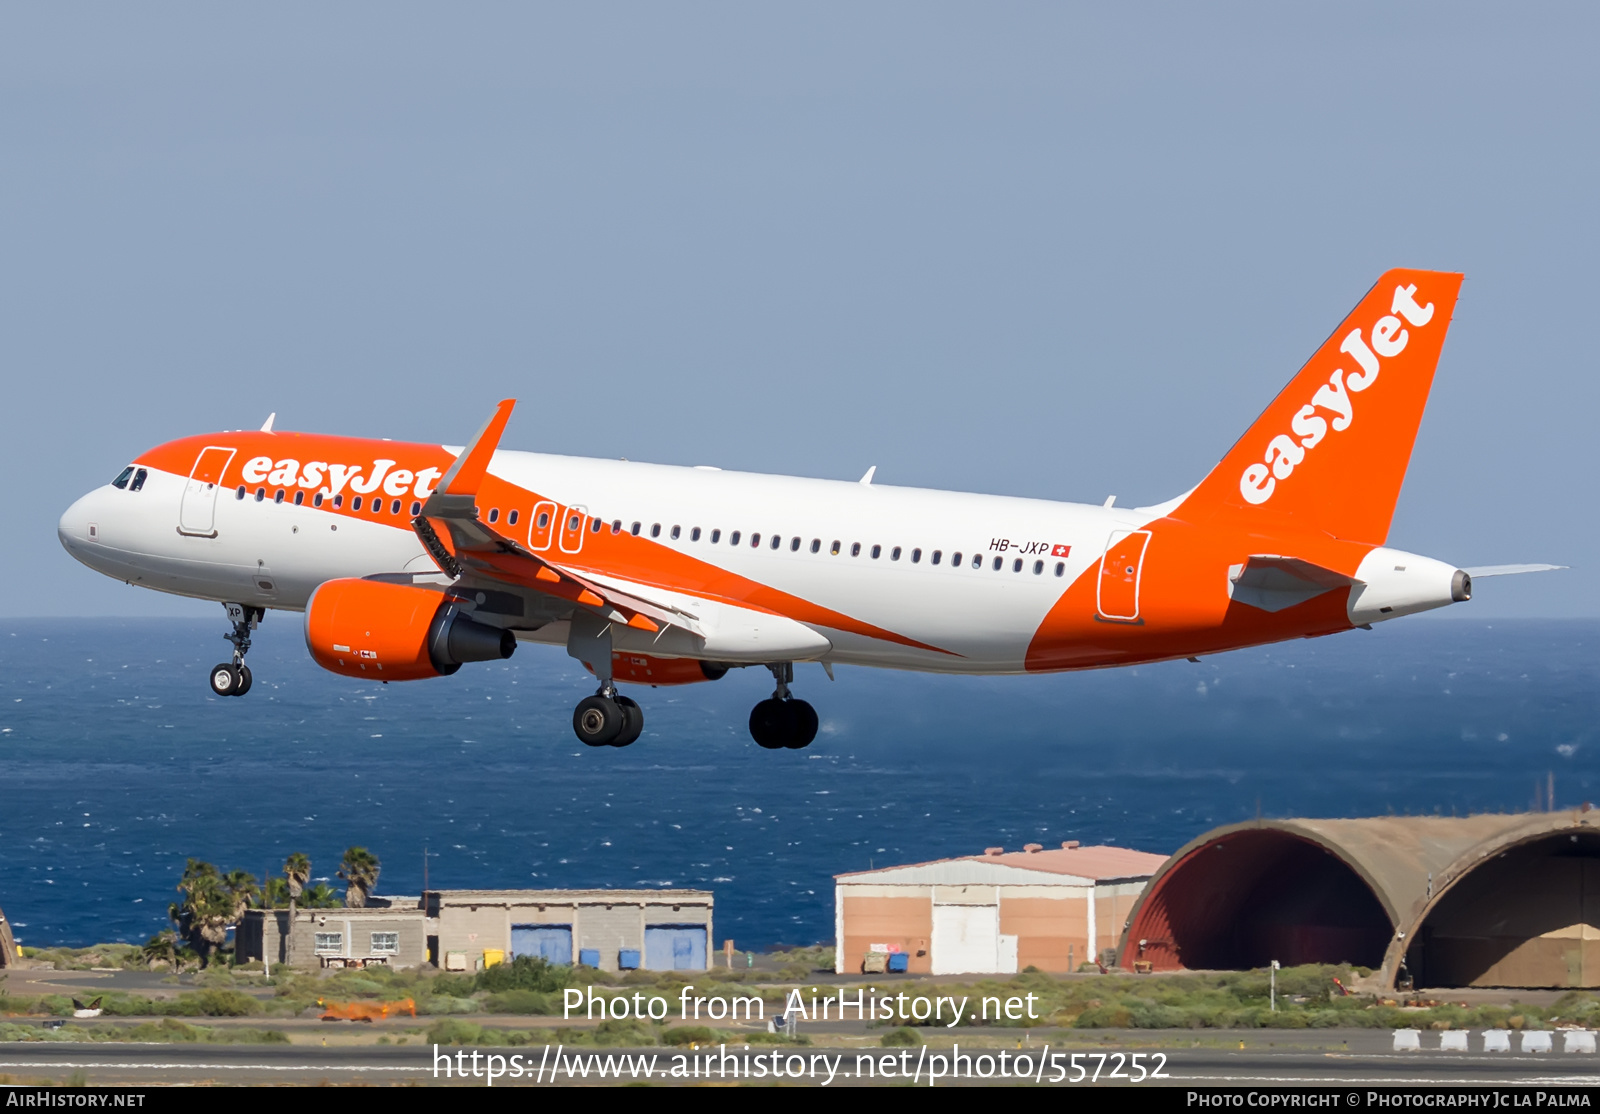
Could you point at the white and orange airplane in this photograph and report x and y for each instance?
(410, 560)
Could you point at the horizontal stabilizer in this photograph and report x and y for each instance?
(1273, 583)
(1508, 570)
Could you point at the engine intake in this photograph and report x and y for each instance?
(396, 632)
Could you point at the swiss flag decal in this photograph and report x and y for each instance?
(1060, 550)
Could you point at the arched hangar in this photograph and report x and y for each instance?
(1491, 900)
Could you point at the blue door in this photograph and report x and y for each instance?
(675, 947)
(552, 942)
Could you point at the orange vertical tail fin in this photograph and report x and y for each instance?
(1330, 453)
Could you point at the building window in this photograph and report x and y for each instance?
(329, 943)
(385, 943)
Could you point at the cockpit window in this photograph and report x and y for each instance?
(122, 477)
(138, 480)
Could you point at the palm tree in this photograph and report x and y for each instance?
(296, 872)
(162, 948)
(320, 896)
(212, 903)
(359, 869)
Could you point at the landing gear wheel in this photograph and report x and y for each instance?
(598, 721)
(244, 680)
(633, 722)
(226, 679)
(769, 724)
(802, 725)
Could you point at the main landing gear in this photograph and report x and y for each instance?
(607, 719)
(783, 722)
(232, 678)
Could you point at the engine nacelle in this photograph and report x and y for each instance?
(396, 632)
(643, 669)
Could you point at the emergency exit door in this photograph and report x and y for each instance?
(197, 512)
(1117, 595)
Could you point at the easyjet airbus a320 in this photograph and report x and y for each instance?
(411, 560)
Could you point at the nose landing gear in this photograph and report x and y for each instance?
(782, 722)
(232, 678)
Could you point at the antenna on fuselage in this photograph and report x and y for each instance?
(266, 426)
(866, 481)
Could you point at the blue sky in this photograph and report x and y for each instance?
(1050, 250)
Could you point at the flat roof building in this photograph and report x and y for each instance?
(997, 912)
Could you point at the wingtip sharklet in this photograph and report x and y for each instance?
(467, 473)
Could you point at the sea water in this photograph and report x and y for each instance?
(117, 764)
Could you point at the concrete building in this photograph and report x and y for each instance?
(994, 912)
(463, 930)
(389, 934)
(659, 930)
(1494, 900)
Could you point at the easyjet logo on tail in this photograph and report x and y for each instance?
(1308, 426)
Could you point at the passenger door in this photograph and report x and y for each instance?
(1117, 594)
(198, 511)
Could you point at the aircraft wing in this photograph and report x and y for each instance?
(471, 549)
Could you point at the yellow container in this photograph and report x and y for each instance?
(493, 956)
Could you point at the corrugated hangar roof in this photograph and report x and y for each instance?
(1066, 866)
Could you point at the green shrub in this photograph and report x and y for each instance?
(452, 1031)
(532, 1002)
(628, 1033)
(219, 1002)
(525, 972)
(443, 1003)
(690, 1034)
(903, 1036)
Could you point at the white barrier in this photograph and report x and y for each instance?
(1407, 1040)
(1536, 1040)
(1453, 1040)
(1497, 1040)
(1577, 1040)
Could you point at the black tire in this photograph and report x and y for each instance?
(769, 724)
(597, 721)
(244, 680)
(633, 722)
(802, 725)
(225, 679)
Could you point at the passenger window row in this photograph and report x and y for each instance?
(635, 529)
(776, 542)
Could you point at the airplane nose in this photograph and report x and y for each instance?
(73, 529)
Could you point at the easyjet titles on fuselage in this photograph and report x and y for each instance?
(288, 472)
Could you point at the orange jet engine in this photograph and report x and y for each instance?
(396, 632)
